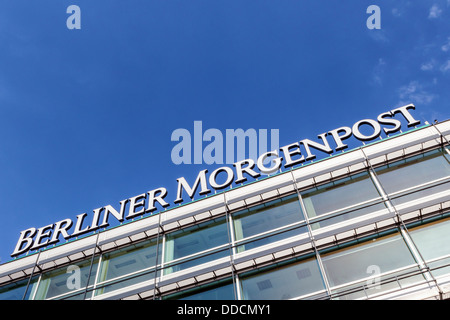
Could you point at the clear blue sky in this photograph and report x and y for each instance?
(86, 115)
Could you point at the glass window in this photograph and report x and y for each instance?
(266, 217)
(190, 241)
(67, 280)
(343, 194)
(414, 171)
(285, 282)
(432, 241)
(16, 290)
(222, 290)
(357, 262)
(127, 261)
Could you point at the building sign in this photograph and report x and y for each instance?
(286, 156)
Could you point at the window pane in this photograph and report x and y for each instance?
(414, 171)
(359, 261)
(66, 280)
(282, 283)
(266, 217)
(16, 290)
(219, 291)
(340, 194)
(428, 191)
(432, 240)
(193, 240)
(127, 261)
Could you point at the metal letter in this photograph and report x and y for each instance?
(80, 219)
(375, 126)
(182, 184)
(228, 181)
(288, 154)
(160, 198)
(67, 223)
(43, 232)
(25, 236)
(274, 168)
(248, 170)
(117, 215)
(325, 147)
(404, 111)
(338, 138)
(135, 204)
(396, 123)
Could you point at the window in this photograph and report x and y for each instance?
(285, 282)
(16, 290)
(128, 266)
(66, 281)
(432, 241)
(378, 256)
(415, 171)
(196, 245)
(353, 195)
(266, 217)
(222, 290)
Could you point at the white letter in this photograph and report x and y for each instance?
(274, 168)
(375, 126)
(160, 198)
(325, 147)
(404, 111)
(338, 139)
(25, 236)
(248, 170)
(182, 184)
(213, 182)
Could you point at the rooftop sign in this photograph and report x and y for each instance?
(286, 156)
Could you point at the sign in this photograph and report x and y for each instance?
(286, 156)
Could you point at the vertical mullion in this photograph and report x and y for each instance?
(403, 229)
(318, 258)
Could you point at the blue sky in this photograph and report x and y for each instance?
(86, 116)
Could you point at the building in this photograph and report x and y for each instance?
(370, 223)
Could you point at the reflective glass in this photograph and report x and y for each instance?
(193, 240)
(127, 261)
(66, 280)
(432, 241)
(360, 261)
(266, 217)
(285, 282)
(16, 290)
(219, 291)
(342, 194)
(414, 171)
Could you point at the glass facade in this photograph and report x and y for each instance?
(378, 262)
(268, 222)
(283, 282)
(127, 266)
(341, 200)
(195, 245)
